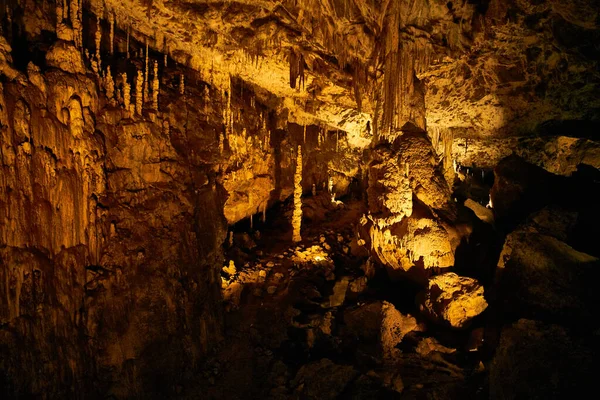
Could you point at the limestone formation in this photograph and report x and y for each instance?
(116, 276)
(111, 22)
(109, 86)
(155, 86)
(126, 91)
(297, 215)
(76, 9)
(139, 94)
(98, 41)
(146, 78)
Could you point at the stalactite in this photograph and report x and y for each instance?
(139, 87)
(126, 91)
(110, 87)
(111, 21)
(314, 189)
(146, 94)
(65, 14)
(221, 143)
(251, 222)
(98, 38)
(181, 84)
(155, 86)
(296, 62)
(297, 214)
(166, 58)
(128, 42)
(76, 22)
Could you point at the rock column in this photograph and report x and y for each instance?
(297, 215)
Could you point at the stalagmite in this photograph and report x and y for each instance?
(221, 143)
(314, 189)
(146, 92)
(110, 87)
(98, 38)
(155, 86)
(181, 84)
(111, 21)
(126, 91)
(139, 93)
(297, 215)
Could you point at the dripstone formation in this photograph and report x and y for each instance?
(292, 199)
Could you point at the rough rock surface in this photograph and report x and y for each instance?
(535, 360)
(453, 300)
(559, 155)
(381, 324)
(405, 236)
(540, 276)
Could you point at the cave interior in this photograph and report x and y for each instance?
(299, 199)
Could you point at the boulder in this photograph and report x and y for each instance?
(540, 276)
(483, 213)
(540, 361)
(452, 300)
(381, 324)
(521, 188)
(412, 247)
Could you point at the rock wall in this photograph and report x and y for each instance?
(110, 243)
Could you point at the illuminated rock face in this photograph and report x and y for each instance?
(453, 300)
(404, 236)
(85, 283)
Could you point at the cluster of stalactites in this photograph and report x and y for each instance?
(69, 10)
(402, 60)
(297, 214)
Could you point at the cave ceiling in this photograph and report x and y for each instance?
(486, 68)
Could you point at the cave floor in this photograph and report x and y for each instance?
(285, 329)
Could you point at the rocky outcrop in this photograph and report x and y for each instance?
(452, 300)
(541, 361)
(540, 276)
(559, 155)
